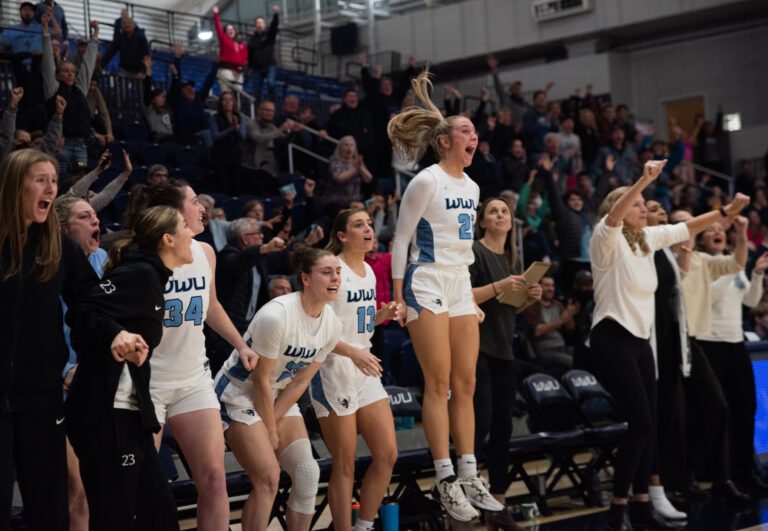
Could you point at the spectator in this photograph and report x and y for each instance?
(261, 134)
(383, 213)
(589, 139)
(514, 167)
(624, 157)
(570, 144)
(228, 133)
(711, 143)
(537, 122)
(13, 139)
(132, 46)
(157, 173)
(512, 99)
(296, 134)
(278, 286)
(348, 173)
(101, 122)
(63, 82)
(547, 319)
(233, 56)
(24, 37)
(261, 54)
(57, 25)
(485, 170)
(158, 112)
(81, 187)
(745, 179)
(760, 321)
(352, 120)
(188, 106)
(623, 121)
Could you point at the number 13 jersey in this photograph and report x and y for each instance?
(179, 359)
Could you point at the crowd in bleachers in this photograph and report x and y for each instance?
(552, 162)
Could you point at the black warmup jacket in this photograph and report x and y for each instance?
(130, 297)
(33, 352)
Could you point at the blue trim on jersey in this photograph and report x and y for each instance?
(317, 391)
(425, 241)
(238, 371)
(408, 295)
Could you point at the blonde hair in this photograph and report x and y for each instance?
(415, 128)
(634, 238)
(337, 152)
(13, 232)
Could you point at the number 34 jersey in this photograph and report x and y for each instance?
(179, 359)
(445, 231)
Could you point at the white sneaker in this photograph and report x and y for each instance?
(478, 493)
(662, 504)
(448, 492)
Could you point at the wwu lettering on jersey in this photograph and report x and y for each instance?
(361, 295)
(459, 202)
(189, 284)
(300, 352)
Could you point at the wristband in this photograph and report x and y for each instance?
(493, 285)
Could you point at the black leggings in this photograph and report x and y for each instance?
(624, 365)
(124, 481)
(33, 442)
(733, 367)
(494, 402)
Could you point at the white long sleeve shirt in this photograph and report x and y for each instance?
(728, 293)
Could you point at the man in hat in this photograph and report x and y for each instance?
(188, 105)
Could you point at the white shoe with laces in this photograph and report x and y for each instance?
(662, 504)
(451, 496)
(477, 490)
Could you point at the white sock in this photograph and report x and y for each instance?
(467, 466)
(443, 469)
(662, 504)
(362, 525)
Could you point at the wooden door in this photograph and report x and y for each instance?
(684, 112)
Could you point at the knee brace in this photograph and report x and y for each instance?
(298, 462)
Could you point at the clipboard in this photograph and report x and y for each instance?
(532, 275)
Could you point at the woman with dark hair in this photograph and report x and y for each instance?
(110, 412)
(228, 131)
(625, 281)
(38, 266)
(233, 55)
(293, 334)
(347, 394)
(437, 218)
(181, 386)
(492, 273)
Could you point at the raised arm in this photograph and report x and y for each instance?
(621, 208)
(731, 210)
(48, 67)
(84, 73)
(50, 144)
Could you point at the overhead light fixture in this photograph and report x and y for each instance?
(205, 35)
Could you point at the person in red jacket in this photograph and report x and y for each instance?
(233, 55)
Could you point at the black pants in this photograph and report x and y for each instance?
(494, 402)
(733, 367)
(624, 365)
(707, 420)
(33, 443)
(124, 481)
(670, 455)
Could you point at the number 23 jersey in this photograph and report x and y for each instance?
(438, 215)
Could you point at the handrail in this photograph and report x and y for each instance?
(708, 171)
(304, 150)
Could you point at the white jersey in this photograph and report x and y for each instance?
(281, 330)
(180, 359)
(356, 305)
(437, 218)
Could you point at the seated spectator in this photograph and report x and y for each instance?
(233, 56)
(261, 54)
(132, 46)
(101, 122)
(546, 319)
(383, 213)
(63, 81)
(57, 25)
(157, 112)
(279, 285)
(760, 320)
(157, 173)
(348, 173)
(228, 133)
(24, 37)
(261, 134)
(188, 106)
(514, 167)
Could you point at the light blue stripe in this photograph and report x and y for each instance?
(238, 371)
(425, 241)
(318, 393)
(408, 295)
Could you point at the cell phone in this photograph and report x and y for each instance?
(288, 188)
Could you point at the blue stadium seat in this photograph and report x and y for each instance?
(154, 154)
(187, 156)
(137, 131)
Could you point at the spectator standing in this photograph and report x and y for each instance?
(188, 106)
(624, 159)
(353, 120)
(537, 122)
(63, 81)
(228, 134)
(233, 56)
(589, 139)
(157, 112)
(132, 46)
(24, 37)
(101, 122)
(261, 135)
(57, 25)
(514, 167)
(261, 54)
